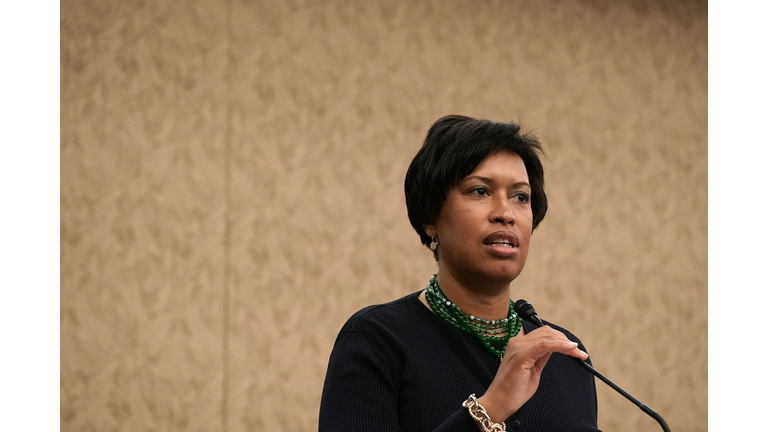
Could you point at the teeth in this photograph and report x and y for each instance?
(507, 244)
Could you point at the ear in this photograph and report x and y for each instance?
(431, 230)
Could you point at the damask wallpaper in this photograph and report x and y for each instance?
(232, 191)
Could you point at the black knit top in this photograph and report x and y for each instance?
(398, 367)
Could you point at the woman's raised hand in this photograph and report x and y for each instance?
(518, 376)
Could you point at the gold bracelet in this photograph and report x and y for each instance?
(481, 417)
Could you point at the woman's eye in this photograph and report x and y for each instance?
(479, 191)
(521, 197)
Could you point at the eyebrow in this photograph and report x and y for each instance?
(490, 181)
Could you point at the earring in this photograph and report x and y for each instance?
(433, 245)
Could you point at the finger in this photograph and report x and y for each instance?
(550, 334)
(542, 361)
(547, 346)
(576, 352)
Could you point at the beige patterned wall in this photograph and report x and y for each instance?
(231, 192)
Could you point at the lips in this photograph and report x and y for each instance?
(502, 239)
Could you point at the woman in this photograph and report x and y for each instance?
(455, 356)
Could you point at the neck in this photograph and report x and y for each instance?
(489, 301)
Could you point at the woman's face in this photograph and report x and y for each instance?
(485, 224)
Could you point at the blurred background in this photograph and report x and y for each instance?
(232, 191)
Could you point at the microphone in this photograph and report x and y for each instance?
(526, 311)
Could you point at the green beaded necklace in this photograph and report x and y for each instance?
(486, 331)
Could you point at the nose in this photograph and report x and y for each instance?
(502, 211)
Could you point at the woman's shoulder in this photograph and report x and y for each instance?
(383, 313)
(385, 321)
(562, 329)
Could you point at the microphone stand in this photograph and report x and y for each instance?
(535, 320)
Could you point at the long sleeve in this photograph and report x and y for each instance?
(360, 390)
(361, 393)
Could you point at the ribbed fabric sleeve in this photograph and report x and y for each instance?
(397, 367)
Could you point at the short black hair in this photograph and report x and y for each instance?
(455, 145)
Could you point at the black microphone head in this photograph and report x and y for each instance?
(526, 311)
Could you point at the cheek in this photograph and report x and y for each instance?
(462, 220)
(461, 231)
(527, 223)
(526, 245)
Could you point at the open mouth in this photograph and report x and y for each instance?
(502, 244)
(505, 239)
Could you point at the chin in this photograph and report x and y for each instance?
(501, 274)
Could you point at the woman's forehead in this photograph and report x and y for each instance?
(502, 164)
